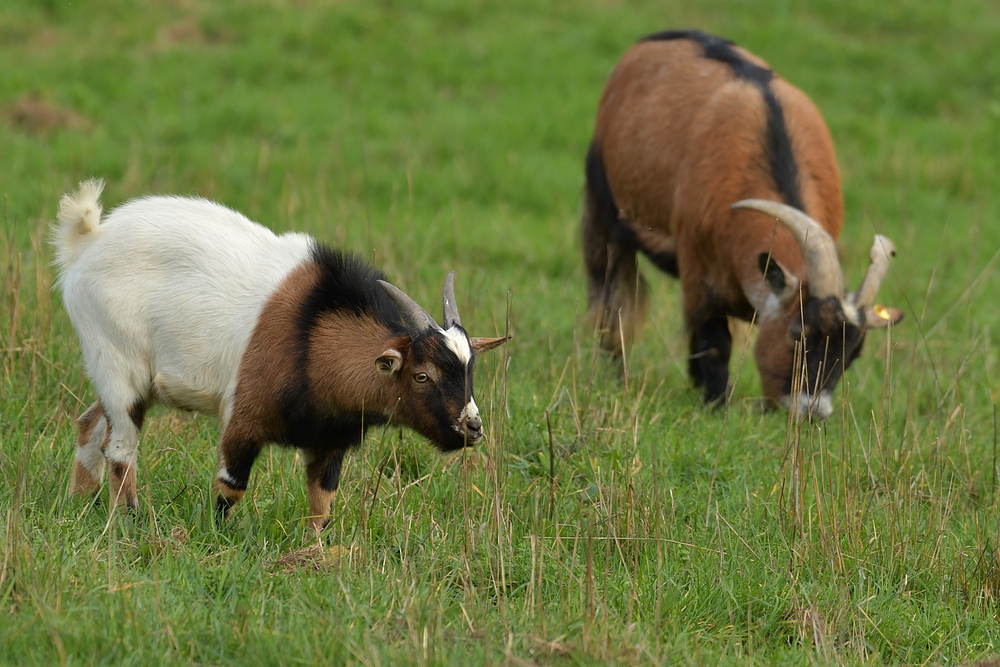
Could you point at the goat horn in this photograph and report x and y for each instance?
(822, 265)
(416, 319)
(450, 305)
(882, 251)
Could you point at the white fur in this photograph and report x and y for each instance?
(164, 295)
(768, 303)
(79, 217)
(807, 405)
(458, 343)
(90, 455)
(470, 411)
(224, 476)
(851, 311)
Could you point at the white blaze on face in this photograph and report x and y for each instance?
(470, 411)
(808, 404)
(458, 343)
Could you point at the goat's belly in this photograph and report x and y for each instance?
(176, 393)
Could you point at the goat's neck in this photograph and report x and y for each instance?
(341, 364)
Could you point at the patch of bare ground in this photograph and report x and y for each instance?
(315, 557)
(34, 114)
(190, 31)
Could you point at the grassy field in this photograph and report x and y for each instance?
(606, 520)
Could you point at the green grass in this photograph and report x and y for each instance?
(451, 135)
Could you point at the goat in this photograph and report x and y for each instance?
(687, 125)
(184, 302)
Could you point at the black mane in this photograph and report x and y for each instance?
(346, 283)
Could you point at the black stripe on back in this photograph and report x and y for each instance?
(781, 159)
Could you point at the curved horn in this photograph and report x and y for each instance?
(882, 251)
(450, 304)
(822, 265)
(415, 318)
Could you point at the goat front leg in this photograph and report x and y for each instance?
(711, 346)
(237, 454)
(322, 481)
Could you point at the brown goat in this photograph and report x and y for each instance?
(689, 124)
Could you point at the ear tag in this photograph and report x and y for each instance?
(882, 312)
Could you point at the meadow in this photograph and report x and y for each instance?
(608, 518)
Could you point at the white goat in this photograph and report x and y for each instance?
(185, 302)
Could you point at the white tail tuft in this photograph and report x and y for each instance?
(79, 218)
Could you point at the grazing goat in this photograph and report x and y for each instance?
(689, 124)
(184, 302)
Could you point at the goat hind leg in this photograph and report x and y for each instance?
(91, 441)
(616, 290)
(122, 452)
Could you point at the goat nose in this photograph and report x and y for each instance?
(474, 423)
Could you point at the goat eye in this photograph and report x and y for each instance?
(420, 377)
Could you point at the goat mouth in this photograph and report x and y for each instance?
(810, 406)
(469, 435)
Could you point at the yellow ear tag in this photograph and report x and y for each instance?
(881, 311)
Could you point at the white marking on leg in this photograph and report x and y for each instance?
(224, 476)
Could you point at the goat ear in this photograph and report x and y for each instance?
(774, 273)
(486, 344)
(878, 316)
(389, 362)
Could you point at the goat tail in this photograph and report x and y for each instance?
(79, 221)
(618, 311)
(616, 290)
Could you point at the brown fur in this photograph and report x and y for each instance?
(480, 345)
(121, 480)
(232, 496)
(342, 375)
(672, 126)
(320, 499)
(682, 139)
(265, 368)
(266, 364)
(84, 482)
(773, 360)
(121, 476)
(343, 352)
(319, 505)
